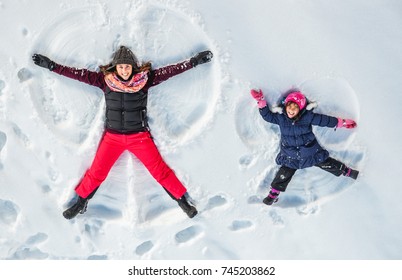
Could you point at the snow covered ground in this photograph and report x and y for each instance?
(345, 55)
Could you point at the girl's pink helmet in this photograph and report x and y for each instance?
(298, 98)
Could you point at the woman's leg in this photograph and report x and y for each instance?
(144, 148)
(109, 150)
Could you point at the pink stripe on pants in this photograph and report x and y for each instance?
(143, 147)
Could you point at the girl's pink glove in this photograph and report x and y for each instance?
(257, 95)
(347, 123)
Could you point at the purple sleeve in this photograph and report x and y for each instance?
(162, 74)
(83, 75)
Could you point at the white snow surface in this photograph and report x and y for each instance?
(345, 55)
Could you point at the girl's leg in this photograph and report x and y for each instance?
(144, 148)
(337, 168)
(279, 184)
(282, 178)
(109, 150)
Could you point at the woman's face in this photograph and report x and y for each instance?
(292, 109)
(124, 70)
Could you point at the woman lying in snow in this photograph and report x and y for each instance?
(125, 84)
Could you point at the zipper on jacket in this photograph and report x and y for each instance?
(122, 111)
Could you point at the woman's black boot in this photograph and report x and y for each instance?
(190, 210)
(78, 208)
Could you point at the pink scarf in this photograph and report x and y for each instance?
(136, 83)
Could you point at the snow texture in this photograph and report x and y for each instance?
(345, 55)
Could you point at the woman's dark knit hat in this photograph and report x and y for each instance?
(124, 56)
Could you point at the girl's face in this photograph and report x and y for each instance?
(292, 109)
(124, 70)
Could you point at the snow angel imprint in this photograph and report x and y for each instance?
(125, 83)
(299, 147)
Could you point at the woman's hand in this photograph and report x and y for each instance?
(43, 61)
(200, 58)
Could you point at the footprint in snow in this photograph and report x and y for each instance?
(216, 201)
(97, 257)
(247, 161)
(188, 234)
(37, 238)
(24, 75)
(254, 199)
(2, 86)
(276, 218)
(9, 212)
(155, 212)
(104, 212)
(3, 140)
(25, 32)
(21, 135)
(44, 187)
(93, 227)
(29, 250)
(240, 225)
(28, 253)
(144, 248)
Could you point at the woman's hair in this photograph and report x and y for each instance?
(110, 68)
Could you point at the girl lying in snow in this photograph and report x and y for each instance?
(125, 84)
(298, 145)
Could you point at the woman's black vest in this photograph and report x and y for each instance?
(126, 112)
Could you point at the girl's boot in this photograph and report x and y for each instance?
(272, 197)
(349, 172)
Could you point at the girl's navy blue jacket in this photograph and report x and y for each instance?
(299, 147)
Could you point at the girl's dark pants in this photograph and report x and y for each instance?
(285, 174)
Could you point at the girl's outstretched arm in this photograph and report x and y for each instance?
(262, 105)
(328, 121)
(324, 120)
